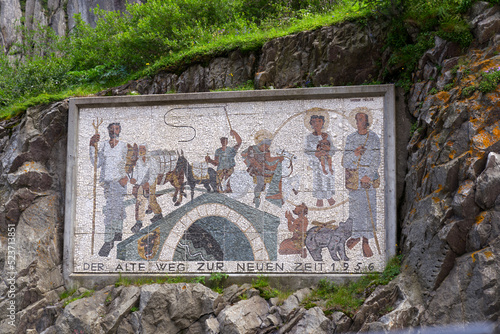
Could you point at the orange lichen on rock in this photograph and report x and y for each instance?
(494, 98)
(475, 122)
(473, 254)
(465, 188)
(469, 152)
(487, 253)
(418, 197)
(487, 137)
(435, 198)
(487, 64)
(496, 131)
(480, 217)
(452, 154)
(478, 154)
(443, 96)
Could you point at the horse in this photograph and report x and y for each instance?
(167, 172)
(209, 181)
(164, 167)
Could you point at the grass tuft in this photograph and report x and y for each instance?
(266, 291)
(86, 294)
(348, 298)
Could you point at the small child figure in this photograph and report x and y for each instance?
(323, 148)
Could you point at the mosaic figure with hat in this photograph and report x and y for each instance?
(264, 168)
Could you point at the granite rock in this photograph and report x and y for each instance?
(247, 316)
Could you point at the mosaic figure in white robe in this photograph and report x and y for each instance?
(111, 159)
(323, 178)
(361, 161)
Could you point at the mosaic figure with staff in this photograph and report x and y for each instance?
(361, 161)
(110, 158)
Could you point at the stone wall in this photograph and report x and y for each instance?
(448, 213)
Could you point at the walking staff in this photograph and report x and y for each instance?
(371, 219)
(96, 125)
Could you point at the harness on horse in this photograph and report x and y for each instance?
(200, 171)
(165, 161)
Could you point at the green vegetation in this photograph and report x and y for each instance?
(413, 129)
(490, 80)
(427, 19)
(347, 298)
(172, 34)
(216, 279)
(283, 295)
(108, 300)
(449, 86)
(468, 91)
(150, 37)
(67, 293)
(247, 86)
(68, 296)
(330, 296)
(266, 291)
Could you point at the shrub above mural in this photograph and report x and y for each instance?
(160, 35)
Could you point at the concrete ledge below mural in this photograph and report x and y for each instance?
(298, 181)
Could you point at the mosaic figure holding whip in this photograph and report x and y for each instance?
(224, 159)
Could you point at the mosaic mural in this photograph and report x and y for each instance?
(243, 187)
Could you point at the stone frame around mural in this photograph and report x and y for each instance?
(267, 231)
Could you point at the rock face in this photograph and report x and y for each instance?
(57, 14)
(449, 211)
(10, 14)
(314, 59)
(32, 188)
(337, 55)
(85, 8)
(181, 308)
(449, 228)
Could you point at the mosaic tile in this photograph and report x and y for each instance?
(251, 223)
